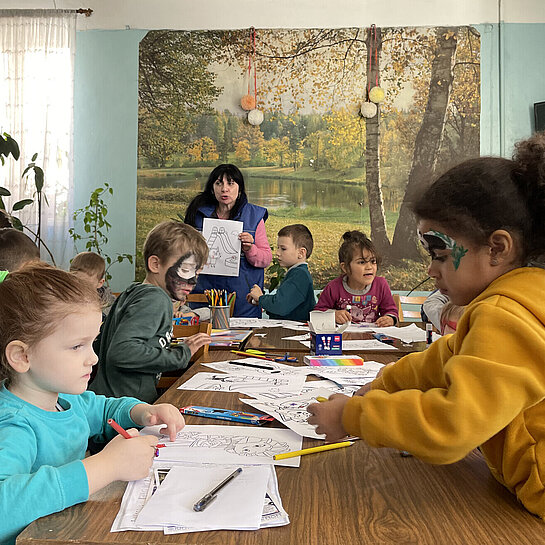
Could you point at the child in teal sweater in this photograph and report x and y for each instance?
(49, 321)
(294, 298)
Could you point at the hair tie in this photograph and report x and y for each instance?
(3, 275)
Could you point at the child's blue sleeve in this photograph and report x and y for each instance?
(99, 409)
(26, 496)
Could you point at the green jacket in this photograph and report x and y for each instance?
(294, 298)
(135, 344)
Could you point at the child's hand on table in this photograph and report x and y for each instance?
(196, 341)
(342, 316)
(163, 413)
(385, 321)
(328, 417)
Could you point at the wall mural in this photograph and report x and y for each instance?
(335, 128)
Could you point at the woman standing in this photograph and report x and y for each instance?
(224, 197)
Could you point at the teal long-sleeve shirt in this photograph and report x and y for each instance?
(41, 471)
(135, 344)
(294, 298)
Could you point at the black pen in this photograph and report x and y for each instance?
(255, 365)
(207, 499)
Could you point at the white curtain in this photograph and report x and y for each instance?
(36, 108)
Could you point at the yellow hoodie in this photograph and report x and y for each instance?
(484, 385)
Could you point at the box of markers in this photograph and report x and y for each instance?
(325, 338)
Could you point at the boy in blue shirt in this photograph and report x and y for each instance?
(294, 298)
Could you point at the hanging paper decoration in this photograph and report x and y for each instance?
(249, 102)
(368, 109)
(255, 117)
(376, 94)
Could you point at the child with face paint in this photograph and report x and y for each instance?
(484, 386)
(135, 339)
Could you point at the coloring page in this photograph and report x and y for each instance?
(310, 386)
(224, 246)
(349, 376)
(274, 367)
(254, 323)
(244, 383)
(227, 445)
(291, 411)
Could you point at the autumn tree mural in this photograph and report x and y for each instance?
(314, 159)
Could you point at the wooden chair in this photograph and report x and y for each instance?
(197, 298)
(408, 300)
(182, 331)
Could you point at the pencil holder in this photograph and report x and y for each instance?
(220, 317)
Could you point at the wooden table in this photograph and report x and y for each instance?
(273, 341)
(352, 496)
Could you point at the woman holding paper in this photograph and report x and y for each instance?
(224, 198)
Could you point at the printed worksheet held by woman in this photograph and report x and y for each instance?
(224, 245)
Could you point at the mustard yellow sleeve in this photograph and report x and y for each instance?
(494, 372)
(421, 370)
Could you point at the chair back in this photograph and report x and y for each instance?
(196, 298)
(401, 300)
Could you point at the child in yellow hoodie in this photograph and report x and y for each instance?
(482, 224)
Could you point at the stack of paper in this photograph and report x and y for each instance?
(238, 505)
(144, 497)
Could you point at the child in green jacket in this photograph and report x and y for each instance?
(135, 340)
(294, 298)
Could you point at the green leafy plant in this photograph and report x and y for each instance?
(276, 274)
(96, 227)
(9, 146)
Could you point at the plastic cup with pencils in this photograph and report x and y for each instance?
(220, 317)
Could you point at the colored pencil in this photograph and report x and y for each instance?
(312, 450)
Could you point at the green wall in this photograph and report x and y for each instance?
(106, 106)
(106, 132)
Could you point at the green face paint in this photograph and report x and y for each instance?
(3, 275)
(435, 240)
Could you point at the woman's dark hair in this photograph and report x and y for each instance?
(481, 195)
(352, 241)
(207, 197)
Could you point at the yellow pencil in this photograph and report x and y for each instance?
(312, 450)
(321, 399)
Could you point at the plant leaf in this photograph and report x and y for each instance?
(21, 204)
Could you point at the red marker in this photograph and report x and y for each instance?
(118, 428)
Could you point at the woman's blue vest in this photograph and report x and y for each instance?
(250, 215)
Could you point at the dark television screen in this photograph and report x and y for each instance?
(539, 116)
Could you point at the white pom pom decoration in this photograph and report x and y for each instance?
(368, 109)
(255, 117)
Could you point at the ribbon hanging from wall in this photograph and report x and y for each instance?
(249, 102)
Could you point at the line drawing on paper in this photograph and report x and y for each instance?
(243, 445)
(221, 249)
